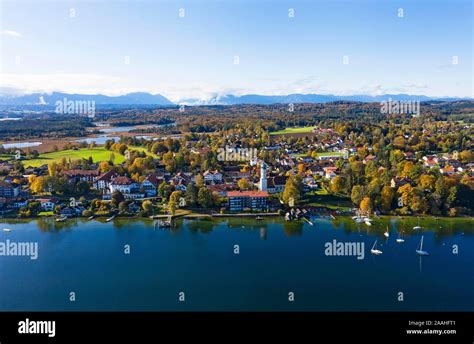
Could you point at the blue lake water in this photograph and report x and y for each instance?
(21, 144)
(276, 258)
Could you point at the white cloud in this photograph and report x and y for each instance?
(10, 33)
(65, 82)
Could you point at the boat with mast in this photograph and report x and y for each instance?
(374, 249)
(419, 250)
(417, 227)
(386, 233)
(400, 239)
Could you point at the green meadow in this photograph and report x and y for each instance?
(97, 154)
(300, 130)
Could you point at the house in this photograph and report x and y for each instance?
(72, 211)
(276, 184)
(330, 172)
(448, 170)
(220, 189)
(430, 161)
(240, 200)
(123, 184)
(396, 182)
(133, 208)
(128, 187)
(150, 185)
(180, 184)
(369, 157)
(47, 204)
(82, 175)
(104, 180)
(212, 176)
(315, 170)
(9, 190)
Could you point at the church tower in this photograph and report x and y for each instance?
(262, 185)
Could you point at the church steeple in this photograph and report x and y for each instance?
(262, 185)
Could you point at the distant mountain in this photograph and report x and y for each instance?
(310, 98)
(138, 98)
(143, 98)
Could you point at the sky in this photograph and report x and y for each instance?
(202, 48)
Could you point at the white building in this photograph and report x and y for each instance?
(212, 176)
(262, 185)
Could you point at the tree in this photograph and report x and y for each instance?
(293, 189)
(357, 194)
(466, 156)
(164, 190)
(199, 181)
(104, 166)
(38, 184)
(204, 197)
(174, 201)
(147, 207)
(427, 182)
(338, 184)
(452, 196)
(122, 206)
(191, 195)
(117, 197)
(387, 194)
(366, 205)
(243, 184)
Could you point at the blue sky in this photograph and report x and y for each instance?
(44, 49)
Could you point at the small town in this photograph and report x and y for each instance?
(328, 169)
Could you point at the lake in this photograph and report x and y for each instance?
(275, 258)
(21, 144)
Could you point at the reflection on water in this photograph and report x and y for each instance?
(275, 256)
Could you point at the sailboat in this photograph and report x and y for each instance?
(374, 249)
(399, 239)
(386, 233)
(418, 227)
(420, 251)
(7, 230)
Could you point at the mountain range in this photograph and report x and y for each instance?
(144, 98)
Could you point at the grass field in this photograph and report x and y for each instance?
(300, 130)
(97, 154)
(330, 154)
(320, 154)
(143, 149)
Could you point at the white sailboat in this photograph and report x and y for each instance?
(374, 249)
(420, 251)
(386, 233)
(7, 230)
(400, 239)
(418, 227)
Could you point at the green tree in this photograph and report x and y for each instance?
(387, 194)
(205, 199)
(293, 189)
(357, 195)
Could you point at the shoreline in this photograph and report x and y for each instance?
(236, 215)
